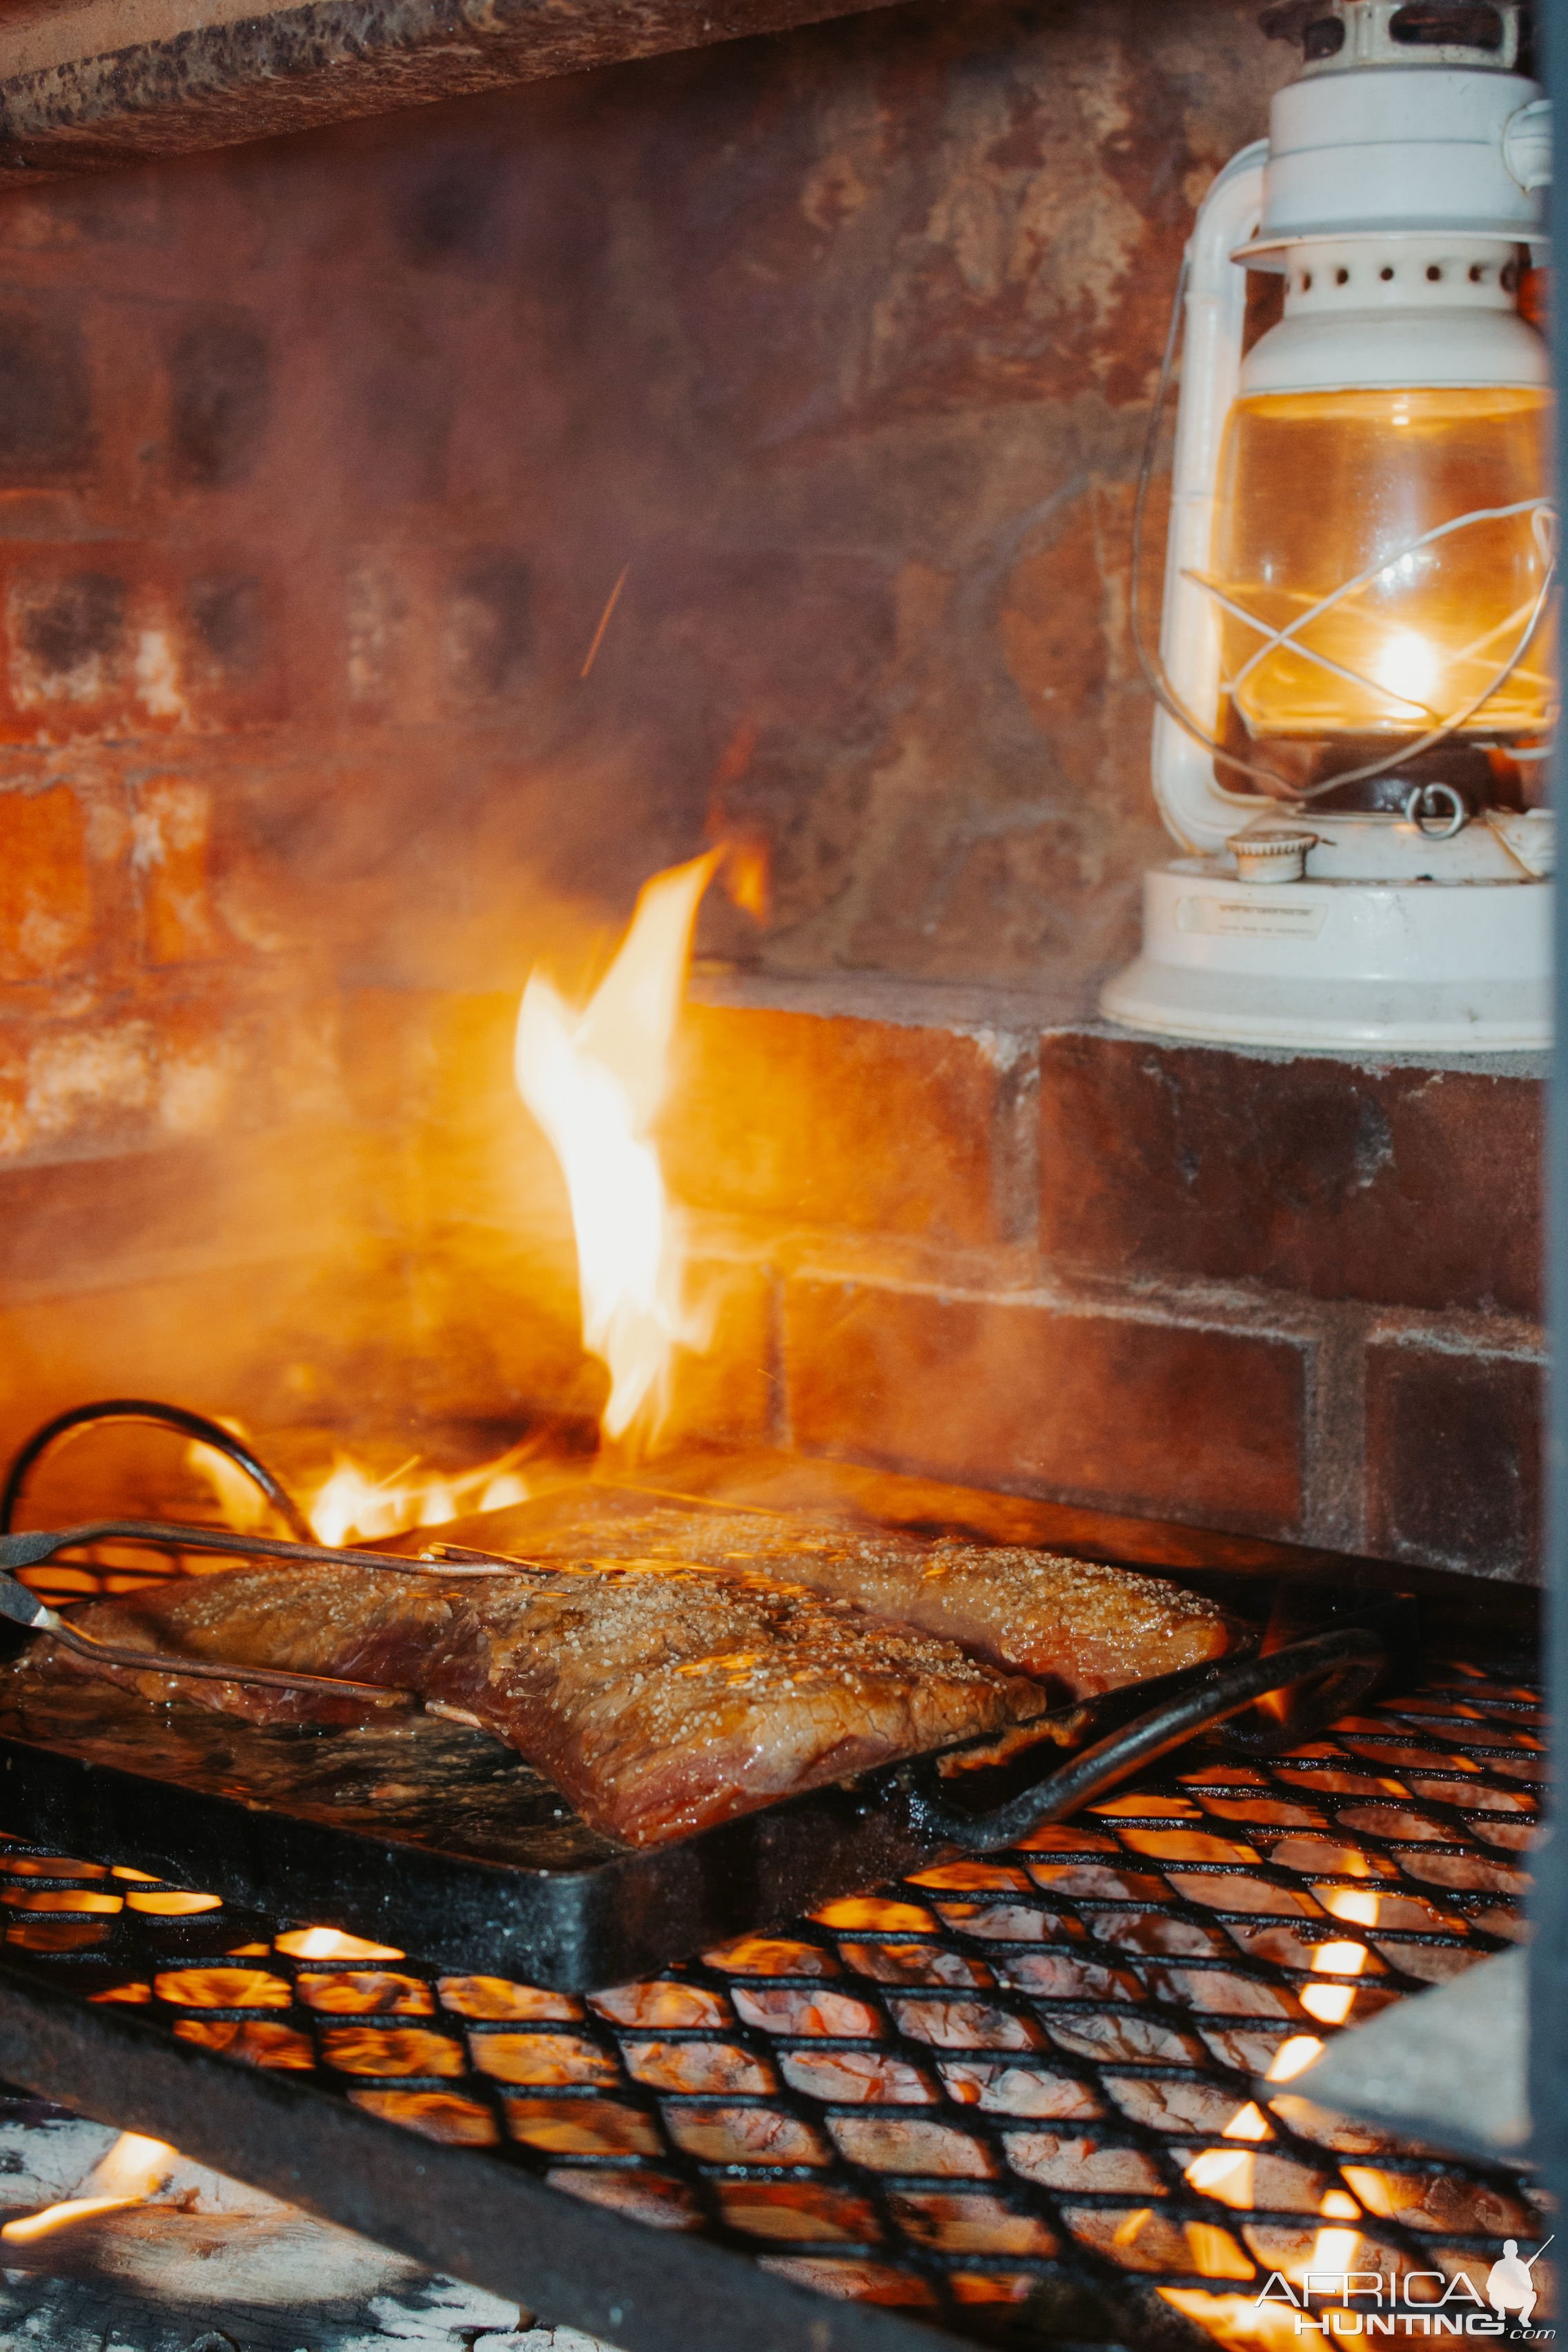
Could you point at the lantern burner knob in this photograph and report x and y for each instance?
(1276, 853)
(1439, 811)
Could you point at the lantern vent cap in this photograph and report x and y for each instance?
(1337, 37)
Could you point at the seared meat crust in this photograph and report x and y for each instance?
(659, 1698)
(1077, 1625)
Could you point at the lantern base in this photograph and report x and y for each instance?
(1408, 967)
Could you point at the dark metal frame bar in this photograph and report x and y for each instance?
(1549, 1962)
(493, 2224)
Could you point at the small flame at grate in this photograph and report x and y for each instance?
(352, 1504)
(134, 2169)
(1294, 2057)
(1227, 2174)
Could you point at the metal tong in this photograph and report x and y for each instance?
(31, 1550)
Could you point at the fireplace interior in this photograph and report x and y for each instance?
(416, 532)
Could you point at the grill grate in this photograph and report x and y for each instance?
(1006, 2081)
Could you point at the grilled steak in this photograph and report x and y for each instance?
(659, 1697)
(1077, 1625)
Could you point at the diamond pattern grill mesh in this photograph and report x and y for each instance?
(1003, 2080)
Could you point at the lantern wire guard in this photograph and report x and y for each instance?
(1543, 514)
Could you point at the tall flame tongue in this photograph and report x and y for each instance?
(596, 1080)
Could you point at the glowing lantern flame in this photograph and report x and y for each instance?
(128, 2175)
(596, 1080)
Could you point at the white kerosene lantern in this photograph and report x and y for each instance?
(1356, 677)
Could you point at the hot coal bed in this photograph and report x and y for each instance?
(1041, 2092)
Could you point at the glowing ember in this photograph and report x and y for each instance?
(1216, 2253)
(596, 1080)
(128, 2175)
(1334, 2251)
(1238, 2321)
(1293, 2057)
(332, 1944)
(1227, 2173)
(1340, 1959)
(1350, 1902)
(1332, 2003)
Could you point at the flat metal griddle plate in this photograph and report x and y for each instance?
(423, 1834)
(437, 1837)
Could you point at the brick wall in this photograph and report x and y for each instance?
(318, 463)
(1297, 1297)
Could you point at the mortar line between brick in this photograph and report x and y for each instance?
(1015, 1152)
(780, 1426)
(1333, 1468)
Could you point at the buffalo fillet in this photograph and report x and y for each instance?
(1079, 1626)
(659, 1698)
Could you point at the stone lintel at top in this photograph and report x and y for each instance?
(91, 84)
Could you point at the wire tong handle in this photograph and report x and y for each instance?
(38, 1545)
(34, 1548)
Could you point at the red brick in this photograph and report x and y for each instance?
(867, 1124)
(225, 639)
(727, 1392)
(71, 659)
(1404, 1186)
(1179, 1420)
(169, 855)
(284, 1334)
(46, 892)
(1454, 1457)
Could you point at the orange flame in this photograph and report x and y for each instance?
(596, 1080)
(352, 1504)
(128, 2175)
